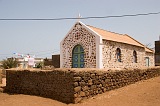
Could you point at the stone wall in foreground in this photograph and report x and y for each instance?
(57, 84)
(0, 76)
(73, 85)
(91, 83)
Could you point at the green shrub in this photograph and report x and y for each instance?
(39, 65)
(9, 63)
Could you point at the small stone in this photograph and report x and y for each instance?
(85, 88)
(90, 82)
(77, 100)
(82, 83)
(87, 93)
(93, 87)
(100, 91)
(75, 84)
(75, 95)
(107, 80)
(77, 79)
(86, 78)
(104, 89)
(77, 89)
(99, 86)
(82, 94)
(92, 75)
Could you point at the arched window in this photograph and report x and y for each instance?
(78, 57)
(134, 56)
(118, 54)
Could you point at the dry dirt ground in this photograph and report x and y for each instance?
(143, 93)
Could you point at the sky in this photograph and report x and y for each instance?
(42, 38)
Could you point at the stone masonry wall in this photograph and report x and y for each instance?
(110, 59)
(151, 58)
(79, 35)
(0, 76)
(73, 85)
(57, 84)
(90, 83)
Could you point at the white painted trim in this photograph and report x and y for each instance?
(100, 64)
(61, 55)
(93, 32)
(97, 52)
(98, 46)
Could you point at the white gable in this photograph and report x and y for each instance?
(97, 40)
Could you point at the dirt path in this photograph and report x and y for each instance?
(144, 93)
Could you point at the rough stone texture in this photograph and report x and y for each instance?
(100, 81)
(0, 76)
(151, 58)
(73, 85)
(87, 40)
(127, 60)
(54, 84)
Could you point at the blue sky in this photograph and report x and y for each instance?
(42, 38)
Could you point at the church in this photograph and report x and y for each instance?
(86, 46)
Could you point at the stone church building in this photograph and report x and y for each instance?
(86, 46)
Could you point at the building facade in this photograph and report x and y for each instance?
(157, 53)
(89, 47)
(24, 62)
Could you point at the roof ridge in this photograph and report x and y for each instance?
(135, 42)
(148, 48)
(105, 30)
(134, 39)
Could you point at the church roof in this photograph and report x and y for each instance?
(148, 50)
(123, 38)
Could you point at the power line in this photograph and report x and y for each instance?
(53, 19)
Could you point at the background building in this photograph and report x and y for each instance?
(157, 53)
(24, 62)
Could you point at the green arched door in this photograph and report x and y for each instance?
(78, 57)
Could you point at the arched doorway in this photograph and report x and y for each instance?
(78, 57)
